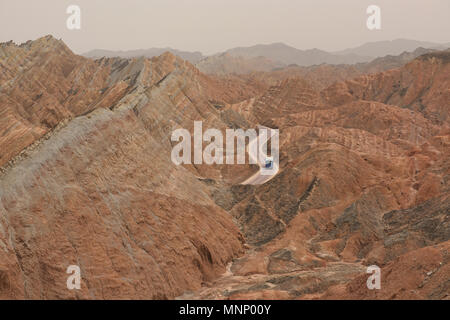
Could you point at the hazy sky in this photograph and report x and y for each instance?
(211, 26)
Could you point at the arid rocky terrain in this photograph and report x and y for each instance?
(86, 178)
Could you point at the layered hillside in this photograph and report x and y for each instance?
(421, 86)
(264, 71)
(364, 180)
(87, 177)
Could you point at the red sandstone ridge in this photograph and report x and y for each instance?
(100, 190)
(86, 179)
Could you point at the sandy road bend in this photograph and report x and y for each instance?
(258, 178)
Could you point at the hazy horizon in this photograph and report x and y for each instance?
(254, 44)
(213, 26)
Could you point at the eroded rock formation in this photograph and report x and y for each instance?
(86, 179)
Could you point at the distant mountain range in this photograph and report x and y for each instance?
(282, 54)
(394, 47)
(226, 63)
